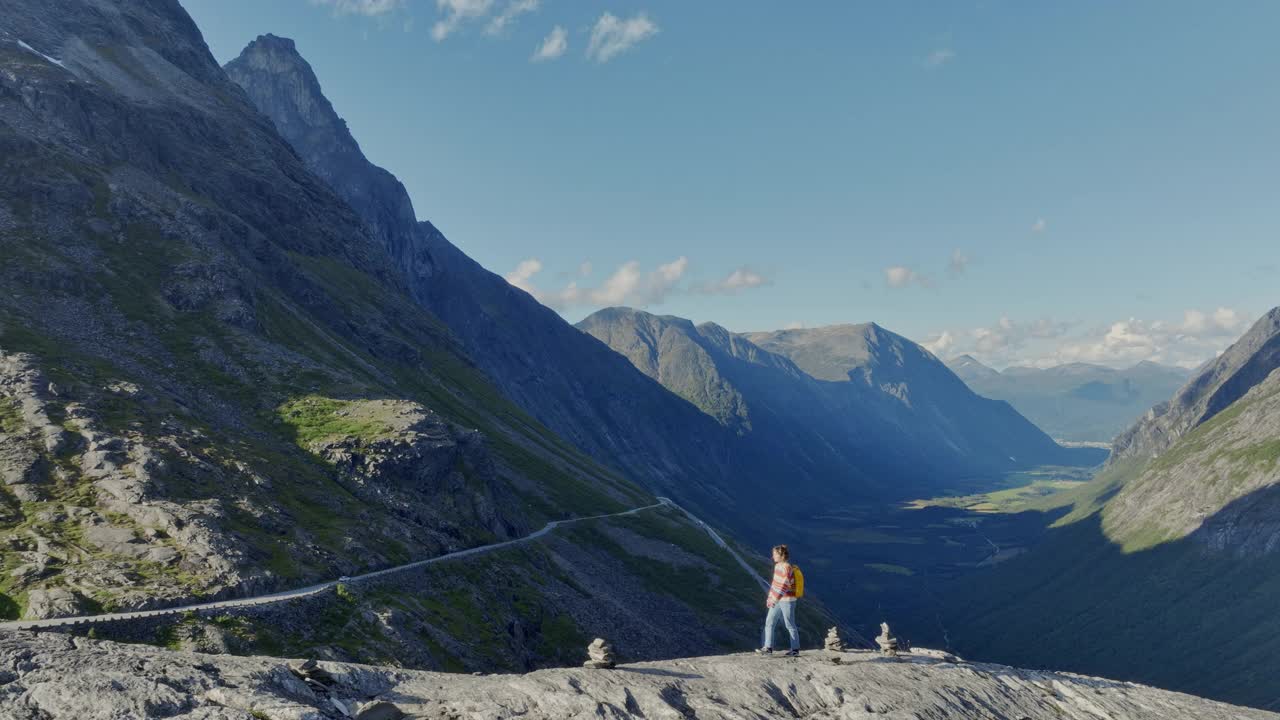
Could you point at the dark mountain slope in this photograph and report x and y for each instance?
(1159, 557)
(213, 378)
(921, 397)
(571, 382)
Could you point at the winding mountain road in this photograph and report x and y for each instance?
(316, 589)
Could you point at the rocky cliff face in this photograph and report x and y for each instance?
(61, 678)
(1210, 391)
(294, 102)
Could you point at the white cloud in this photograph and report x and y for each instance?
(457, 12)
(513, 10)
(736, 281)
(1039, 226)
(368, 8)
(940, 344)
(794, 325)
(939, 57)
(1199, 336)
(1227, 319)
(629, 284)
(1223, 321)
(523, 273)
(900, 276)
(612, 36)
(552, 46)
(959, 262)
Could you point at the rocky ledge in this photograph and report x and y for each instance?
(52, 676)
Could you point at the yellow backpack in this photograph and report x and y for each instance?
(798, 579)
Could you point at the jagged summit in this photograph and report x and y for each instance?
(282, 85)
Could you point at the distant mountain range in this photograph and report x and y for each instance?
(1078, 401)
(1172, 547)
(869, 408)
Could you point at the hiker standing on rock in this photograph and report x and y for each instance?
(786, 589)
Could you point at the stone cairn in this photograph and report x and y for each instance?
(888, 643)
(316, 677)
(833, 641)
(601, 653)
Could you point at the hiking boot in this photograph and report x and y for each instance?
(793, 653)
(764, 651)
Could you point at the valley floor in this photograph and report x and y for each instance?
(53, 677)
(894, 561)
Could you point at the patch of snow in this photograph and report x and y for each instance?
(55, 61)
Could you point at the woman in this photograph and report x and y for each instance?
(781, 602)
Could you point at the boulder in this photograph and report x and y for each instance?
(379, 710)
(51, 603)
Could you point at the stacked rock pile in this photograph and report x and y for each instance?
(601, 654)
(833, 641)
(887, 642)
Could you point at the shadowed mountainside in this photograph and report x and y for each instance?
(215, 381)
(1159, 558)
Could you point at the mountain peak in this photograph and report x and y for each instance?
(281, 84)
(273, 63)
(273, 41)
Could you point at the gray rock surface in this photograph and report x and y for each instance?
(61, 678)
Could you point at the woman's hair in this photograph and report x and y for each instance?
(782, 551)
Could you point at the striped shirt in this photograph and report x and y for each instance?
(784, 583)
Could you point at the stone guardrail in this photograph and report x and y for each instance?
(311, 590)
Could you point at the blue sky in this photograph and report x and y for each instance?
(1029, 182)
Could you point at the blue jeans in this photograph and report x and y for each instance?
(787, 611)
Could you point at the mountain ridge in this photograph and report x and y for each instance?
(1212, 389)
(869, 423)
(1175, 542)
(1075, 401)
(572, 383)
(215, 381)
